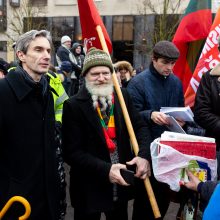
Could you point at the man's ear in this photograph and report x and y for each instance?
(21, 56)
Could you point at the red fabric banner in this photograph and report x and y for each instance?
(90, 19)
(209, 58)
(195, 25)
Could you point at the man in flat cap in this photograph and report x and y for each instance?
(96, 144)
(152, 89)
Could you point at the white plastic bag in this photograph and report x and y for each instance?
(169, 163)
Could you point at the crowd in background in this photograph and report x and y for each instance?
(81, 81)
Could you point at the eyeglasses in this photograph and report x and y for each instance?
(97, 74)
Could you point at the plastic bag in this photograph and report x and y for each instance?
(168, 164)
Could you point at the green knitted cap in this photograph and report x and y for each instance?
(96, 57)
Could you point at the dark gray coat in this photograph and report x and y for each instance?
(27, 151)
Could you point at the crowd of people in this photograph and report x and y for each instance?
(72, 114)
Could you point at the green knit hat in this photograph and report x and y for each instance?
(96, 57)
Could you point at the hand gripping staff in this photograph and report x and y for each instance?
(147, 183)
(20, 199)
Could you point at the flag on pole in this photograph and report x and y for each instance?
(90, 19)
(209, 58)
(192, 30)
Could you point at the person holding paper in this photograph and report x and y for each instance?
(96, 144)
(152, 89)
(158, 87)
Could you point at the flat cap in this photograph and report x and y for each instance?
(166, 49)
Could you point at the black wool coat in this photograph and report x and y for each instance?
(27, 150)
(85, 150)
(207, 104)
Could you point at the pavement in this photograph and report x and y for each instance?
(170, 215)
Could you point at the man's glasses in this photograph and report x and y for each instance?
(98, 74)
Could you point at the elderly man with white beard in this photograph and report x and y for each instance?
(97, 146)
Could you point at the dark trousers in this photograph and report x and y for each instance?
(142, 208)
(118, 213)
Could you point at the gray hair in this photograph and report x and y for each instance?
(25, 39)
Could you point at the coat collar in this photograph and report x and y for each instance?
(83, 94)
(18, 84)
(86, 106)
(91, 115)
(216, 70)
(156, 74)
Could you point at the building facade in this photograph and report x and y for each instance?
(130, 24)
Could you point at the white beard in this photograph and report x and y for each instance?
(101, 93)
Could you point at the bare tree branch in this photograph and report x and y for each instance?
(165, 23)
(22, 19)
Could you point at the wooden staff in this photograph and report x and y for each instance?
(133, 139)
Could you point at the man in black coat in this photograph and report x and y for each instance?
(207, 105)
(97, 146)
(28, 163)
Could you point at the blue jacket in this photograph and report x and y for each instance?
(212, 211)
(151, 91)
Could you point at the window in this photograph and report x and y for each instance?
(62, 26)
(122, 28)
(15, 3)
(37, 23)
(3, 46)
(38, 2)
(3, 16)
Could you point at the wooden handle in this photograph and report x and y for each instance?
(133, 139)
(23, 201)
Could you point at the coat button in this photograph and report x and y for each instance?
(219, 79)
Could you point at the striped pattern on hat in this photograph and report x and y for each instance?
(96, 57)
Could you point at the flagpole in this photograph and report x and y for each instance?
(133, 139)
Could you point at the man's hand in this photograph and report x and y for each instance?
(193, 181)
(159, 118)
(115, 176)
(180, 122)
(143, 167)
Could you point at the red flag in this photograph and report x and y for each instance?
(209, 58)
(90, 19)
(194, 26)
